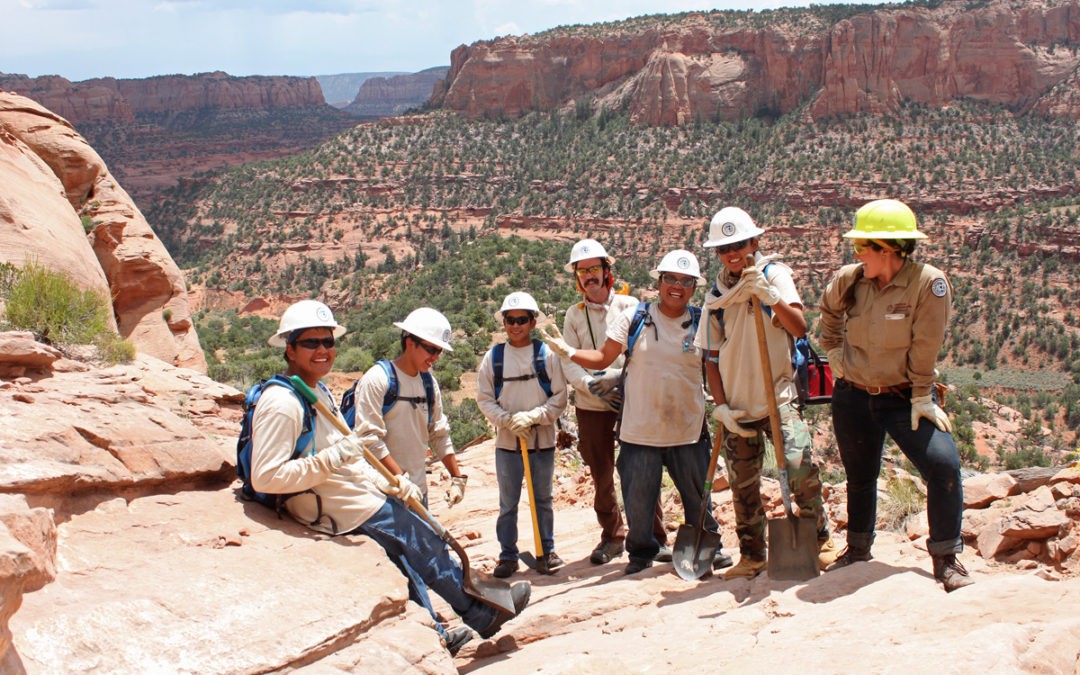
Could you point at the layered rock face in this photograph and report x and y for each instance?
(1022, 55)
(387, 96)
(112, 100)
(52, 178)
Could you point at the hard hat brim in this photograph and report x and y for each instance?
(438, 343)
(855, 233)
(737, 237)
(655, 274)
(569, 267)
(278, 339)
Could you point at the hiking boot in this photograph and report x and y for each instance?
(721, 560)
(456, 638)
(827, 553)
(505, 568)
(605, 552)
(748, 568)
(848, 557)
(951, 572)
(548, 563)
(663, 555)
(519, 593)
(636, 565)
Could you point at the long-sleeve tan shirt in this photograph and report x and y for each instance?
(585, 327)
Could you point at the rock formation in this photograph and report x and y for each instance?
(53, 181)
(708, 66)
(387, 96)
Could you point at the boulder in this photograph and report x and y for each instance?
(982, 489)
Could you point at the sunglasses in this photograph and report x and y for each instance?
(861, 246)
(685, 282)
(585, 271)
(729, 248)
(517, 320)
(430, 349)
(315, 343)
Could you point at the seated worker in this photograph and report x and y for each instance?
(338, 492)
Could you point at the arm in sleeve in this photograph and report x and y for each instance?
(277, 423)
(927, 334)
(370, 424)
(439, 429)
(832, 313)
(485, 394)
(576, 376)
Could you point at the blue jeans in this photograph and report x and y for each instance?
(425, 560)
(860, 422)
(640, 471)
(510, 471)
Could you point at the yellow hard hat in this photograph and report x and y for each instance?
(884, 219)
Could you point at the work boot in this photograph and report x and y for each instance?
(456, 638)
(827, 552)
(636, 565)
(721, 560)
(548, 563)
(519, 594)
(748, 568)
(951, 572)
(605, 552)
(849, 556)
(663, 555)
(505, 568)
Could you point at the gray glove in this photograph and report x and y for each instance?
(602, 384)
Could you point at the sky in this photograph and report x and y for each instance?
(81, 39)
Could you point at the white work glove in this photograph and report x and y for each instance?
(924, 406)
(521, 422)
(836, 362)
(554, 339)
(343, 451)
(730, 419)
(401, 487)
(456, 492)
(759, 286)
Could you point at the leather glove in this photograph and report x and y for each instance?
(456, 492)
(554, 339)
(521, 422)
(759, 286)
(401, 487)
(603, 384)
(836, 362)
(343, 451)
(730, 419)
(924, 406)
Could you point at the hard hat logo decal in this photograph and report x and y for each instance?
(446, 336)
(513, 302)
(727, 229)
(323, 313)
(683, 263)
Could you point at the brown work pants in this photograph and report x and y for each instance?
(596, 443)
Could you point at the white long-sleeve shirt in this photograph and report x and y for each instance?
(518, 396)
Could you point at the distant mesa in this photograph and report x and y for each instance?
(388, 96)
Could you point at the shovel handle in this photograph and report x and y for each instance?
(770, 397)
(532, 497)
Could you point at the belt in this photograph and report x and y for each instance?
(876, 391)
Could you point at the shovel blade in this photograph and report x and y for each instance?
(532, 563)
(488, 590)
(793, 549)
(694, 551)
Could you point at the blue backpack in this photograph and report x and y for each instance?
(539, 368)
(348, 399)
(243, 443)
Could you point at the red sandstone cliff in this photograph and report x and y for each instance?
(712, 66)
(387, 96)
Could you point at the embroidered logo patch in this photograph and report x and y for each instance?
(939, 288)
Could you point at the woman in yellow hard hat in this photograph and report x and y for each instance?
(883, 323)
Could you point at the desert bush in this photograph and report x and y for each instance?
(50, 305)
(902, 500)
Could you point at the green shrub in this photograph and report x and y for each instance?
(114, 349)
(466, 421)
(51, 306)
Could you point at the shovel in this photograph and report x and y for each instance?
(793, 543)
(527, 557)
(487, 590)
(695, 547)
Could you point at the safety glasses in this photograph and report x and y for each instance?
(517, 320)
(675, 280)
(729, 248)
(861, 246)
(430, 349)
(586, 271)
(315, 343)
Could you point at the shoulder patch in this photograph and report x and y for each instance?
(939, 287)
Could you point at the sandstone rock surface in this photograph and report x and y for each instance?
(386, 96)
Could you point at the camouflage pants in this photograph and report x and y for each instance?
(744, 458)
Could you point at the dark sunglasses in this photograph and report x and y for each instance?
(315, 343)
(430, 349)
(729, 248)
(517, 320)
(685, 282)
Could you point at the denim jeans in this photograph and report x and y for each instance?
(425, 560)
(640, 470)
(510, 471)
(860, 422)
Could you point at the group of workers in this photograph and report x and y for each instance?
(636, 371)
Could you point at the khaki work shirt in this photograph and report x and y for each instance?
(890, 336)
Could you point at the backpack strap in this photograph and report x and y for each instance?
(640, 319)
(540, 365)
(391, 395)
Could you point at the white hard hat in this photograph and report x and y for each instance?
(519, 300)
(679, 261)
(586, 249)
(301, 315)
(429, 325)
(731, 225)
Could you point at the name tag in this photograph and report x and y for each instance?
(894, 317)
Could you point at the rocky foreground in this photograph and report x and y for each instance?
(129, 556)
